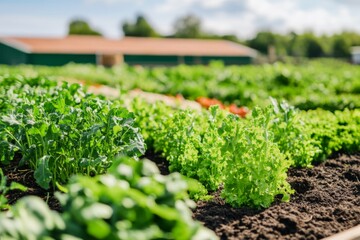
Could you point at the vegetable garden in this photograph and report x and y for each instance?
(90, 151)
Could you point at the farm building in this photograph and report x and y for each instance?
(355, 55)
(131, 50)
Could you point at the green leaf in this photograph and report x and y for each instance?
(10, 119)
(17, 186)
(98, 228)
(117, 129)
(97, 210)
(61, 188)
(43, 174)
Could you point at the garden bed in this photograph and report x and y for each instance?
(70, 132)
(327, 201)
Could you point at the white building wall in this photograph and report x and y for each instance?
(356, 58)
(355, 55)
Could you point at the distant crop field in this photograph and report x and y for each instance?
(327, 84)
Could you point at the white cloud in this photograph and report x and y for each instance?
(242, 17)
(283, 16)
(30, 25)
(171, 6)
(318, 19)
(176, 5)
(212, 4)
(250, 16)
(110, 2)
(226, 24)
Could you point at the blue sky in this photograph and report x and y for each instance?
(241, 17)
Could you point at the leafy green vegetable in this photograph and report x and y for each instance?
(256, 168)
(197, 145)
(61, 131)
(333, 132)
(257, 151)
(132, 201)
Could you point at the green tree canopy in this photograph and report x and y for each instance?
(341, 47)
(306, 44)
(141, 28)
(265, 39)
(313, 46)
(81, 27)
(188, 26)
(262, 41)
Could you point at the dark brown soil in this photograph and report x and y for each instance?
(25, 176)
(160, 162)
(327, 201)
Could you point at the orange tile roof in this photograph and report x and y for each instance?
(130, 45)
(177, 46)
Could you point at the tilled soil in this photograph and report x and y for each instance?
(25, 176)
(327, 201)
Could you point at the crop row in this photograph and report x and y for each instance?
(249, 157)
(317, 84)
(59, 131)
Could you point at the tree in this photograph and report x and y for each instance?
(341, 48)
(262, 41)
(296, 46)
(81, 27)
(314, 48)
(266, 40)
(141, 28)
(230, 37)
(188, 26)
